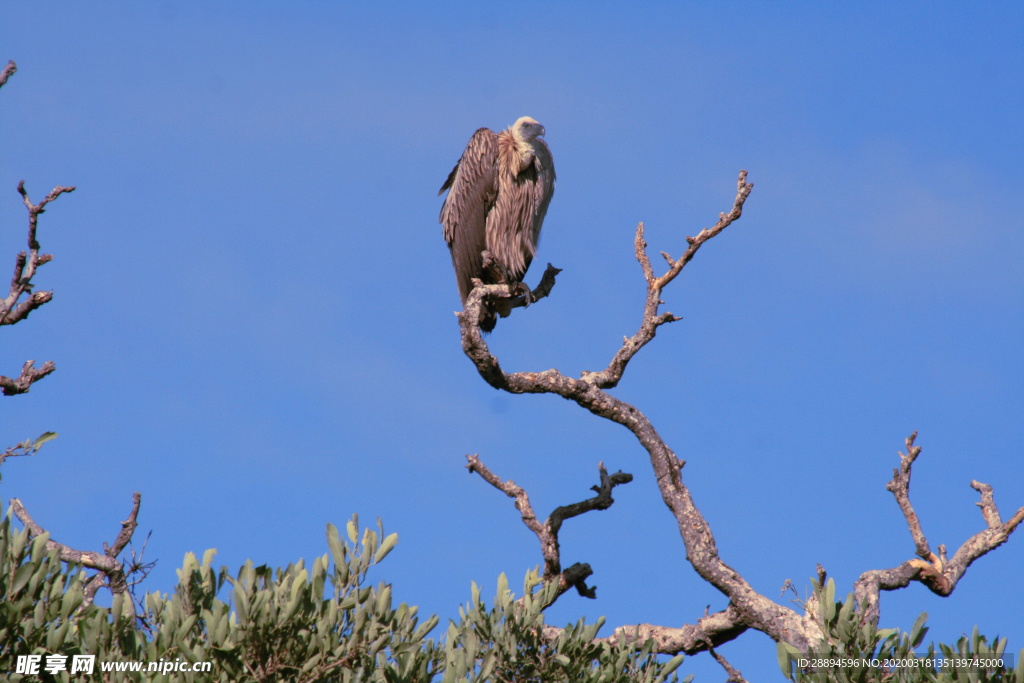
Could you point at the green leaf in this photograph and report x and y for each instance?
(21, 577)
(39, 546)
(784, 660)
(313, 661)
(187, 625)
(385, 548)
(488, 665)
(886, 633)
(847, 611)
(43, 438)
(502, 589)
(830, 600)
(241, 603)
(353, 528)
(917, 633)
(671, 665)
(117, 605)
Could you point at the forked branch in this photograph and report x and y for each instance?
(110, 570)
(936, 572)
(29, 375)
(547, 531)
(25, 264)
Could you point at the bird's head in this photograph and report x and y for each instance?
(528, 129)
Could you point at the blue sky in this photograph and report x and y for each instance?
(252, 316)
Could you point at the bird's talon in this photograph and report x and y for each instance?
(527, 294)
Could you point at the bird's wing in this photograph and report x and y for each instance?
(471, 184)
(471, 189)
(545, 187)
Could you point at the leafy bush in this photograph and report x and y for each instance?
(507, 643)
(323, 624)
(847, 638)
(295, 624)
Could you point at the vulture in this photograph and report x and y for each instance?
(498, 194)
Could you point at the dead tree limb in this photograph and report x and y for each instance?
(29, 375)
(110, 570)
(747, 609)
(12, 309)
(935, 572)
(547, 532)
(7, 72)
(709, 631)
(25, 264)
(900, 488)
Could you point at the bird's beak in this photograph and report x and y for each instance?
(543, 131)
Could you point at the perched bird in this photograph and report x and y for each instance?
(498, 195)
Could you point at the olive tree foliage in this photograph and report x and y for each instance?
(868, 653)
(316, 623)
(279, 624)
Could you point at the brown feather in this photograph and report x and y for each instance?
(464, 214)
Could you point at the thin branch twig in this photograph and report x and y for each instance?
(7, 72)
(734, 674)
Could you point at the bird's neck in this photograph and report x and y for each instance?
(524, 147)
(524, 151)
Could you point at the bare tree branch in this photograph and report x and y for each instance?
(547, 532)
(734, 674)
(7, 72)
(900, 487)
(26, 264)
(12, 309)
(504, 303)
(937, 573)
(29, 375)
(136, 569)
(709, 631)
(602, 501)
(110, 569)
